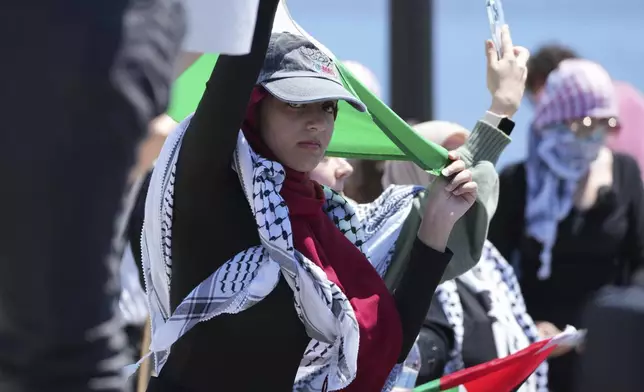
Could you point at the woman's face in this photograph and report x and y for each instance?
(298, 134)
(332, 172)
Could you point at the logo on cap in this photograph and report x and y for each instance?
(320, 62)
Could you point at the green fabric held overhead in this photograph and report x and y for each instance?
(377, 134)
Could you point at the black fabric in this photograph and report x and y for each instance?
(612, 356)
(600, 246)
(80, 81)
(436, 339)
(478, 341)
(212, 223)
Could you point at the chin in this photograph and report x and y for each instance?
(304, 163)
(302, 167)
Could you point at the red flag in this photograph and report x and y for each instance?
(503, 374)
(500, 375)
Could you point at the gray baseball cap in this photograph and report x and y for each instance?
(296, 71)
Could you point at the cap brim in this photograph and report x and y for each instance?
(304, 89)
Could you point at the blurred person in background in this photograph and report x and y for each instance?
(364, 185)
(332, 172)
(545, 60)
(480, 315)
(149, 148)
(81, 81)
(630, 138)
(571, 217)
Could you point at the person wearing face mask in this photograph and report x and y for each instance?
(630, 138)
(571, 218)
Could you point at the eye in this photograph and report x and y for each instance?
(330, 106)
(296, 105)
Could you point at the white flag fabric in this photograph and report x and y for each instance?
(220, 26)
(285, 23)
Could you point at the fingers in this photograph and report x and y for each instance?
(459, 179)
(460, 183)
(453, 168)
(522, 54)
(469, 187)
(490, 53)
(506, 42)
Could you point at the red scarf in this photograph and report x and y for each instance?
(317, 238)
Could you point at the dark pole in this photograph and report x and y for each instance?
(410, 49)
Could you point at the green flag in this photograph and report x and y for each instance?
(376, 134)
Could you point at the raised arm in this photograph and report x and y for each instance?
(414, 294)
(207, 193)
(480, 153)
(210, 139)
(452, 194)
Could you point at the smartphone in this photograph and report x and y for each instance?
(497, 20)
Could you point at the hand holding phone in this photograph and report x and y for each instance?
(506, 75)
(497, 20)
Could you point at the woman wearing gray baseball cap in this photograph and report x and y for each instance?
(258, 278)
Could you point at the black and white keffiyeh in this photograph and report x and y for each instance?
(132, 302)
(322, 307)
(513, 328)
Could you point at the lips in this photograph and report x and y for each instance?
(310, 144)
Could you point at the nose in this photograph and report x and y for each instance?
(317, 119)
(343, 170)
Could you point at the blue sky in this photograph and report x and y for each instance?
(600, 30)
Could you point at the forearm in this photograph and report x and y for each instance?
(486, 142)
(415, 291)
(482, 150)
(204, 160)
(434, 234)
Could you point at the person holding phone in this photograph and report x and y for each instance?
(571, 217)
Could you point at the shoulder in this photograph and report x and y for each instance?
(512, 179)
(628, 176)
(626, 164)
(513, 171)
